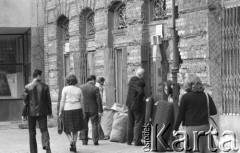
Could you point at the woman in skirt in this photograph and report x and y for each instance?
(72, 109)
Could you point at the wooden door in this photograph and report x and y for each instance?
(110, 79)
(83, 67)
(66, 65)
(121, 75)
(91, 63)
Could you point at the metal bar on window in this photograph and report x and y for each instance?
(230, 55)
(223, 68)
(237, 30)
(231, 3)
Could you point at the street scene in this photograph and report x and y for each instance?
(20, 144)
(123, 76)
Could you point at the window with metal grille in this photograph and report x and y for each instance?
(121, 20)
(230, 68)
(90, 24)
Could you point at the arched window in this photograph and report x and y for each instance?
(63, 49)
(90, 24)
(121, 17)
(158, 8)
(87, 38)
(63, 23)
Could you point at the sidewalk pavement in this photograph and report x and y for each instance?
(15, 140)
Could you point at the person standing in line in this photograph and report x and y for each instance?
(72, 109)
(93, 109)
(100, 85)
(37, 107)
(136, 108)
(194, 111)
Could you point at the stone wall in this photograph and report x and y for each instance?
(196, 25)
(193, 25)
(199, 29)
(105, 39)
(199, 45)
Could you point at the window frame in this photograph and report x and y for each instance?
(23, 40)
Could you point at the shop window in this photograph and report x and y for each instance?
(14, 65)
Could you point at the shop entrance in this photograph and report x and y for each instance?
(15, 70)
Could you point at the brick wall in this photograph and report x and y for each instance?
(197, 45)
(200, 44)
(74, 10)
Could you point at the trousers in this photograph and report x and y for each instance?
(100, 130)
(202, 141)
(94, 120)
(42, 122)
(135, 125)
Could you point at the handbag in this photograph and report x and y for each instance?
(213, 124)
(60, 124)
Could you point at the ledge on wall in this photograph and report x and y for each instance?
(119, 32)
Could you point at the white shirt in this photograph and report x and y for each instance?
(72, 97)
(102, 92)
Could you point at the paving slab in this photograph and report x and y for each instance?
(14, 140)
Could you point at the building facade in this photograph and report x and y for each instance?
(112, 38)
(21, 51)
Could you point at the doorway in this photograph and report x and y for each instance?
(90, 63)
(121, 75)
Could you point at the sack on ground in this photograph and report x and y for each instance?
(119, 128)
(107, 121)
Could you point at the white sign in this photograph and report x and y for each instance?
(159, 30)
(66, 47)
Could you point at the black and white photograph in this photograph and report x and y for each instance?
(119, 76)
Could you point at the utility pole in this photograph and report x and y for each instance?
(175, 67)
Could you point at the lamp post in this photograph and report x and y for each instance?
(175, 66)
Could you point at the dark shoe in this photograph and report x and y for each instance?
(73, 147)
(47, 148)
(96, 143)
(138, 144)
(84, 143)
(105, 137)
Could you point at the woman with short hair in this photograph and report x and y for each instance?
(72, 109)
(193, 111)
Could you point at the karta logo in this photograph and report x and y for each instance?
(227, 140)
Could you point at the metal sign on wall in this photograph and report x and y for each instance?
(159, 30)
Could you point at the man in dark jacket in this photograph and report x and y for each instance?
(93, 109)
(37, 106)
(136, 109)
